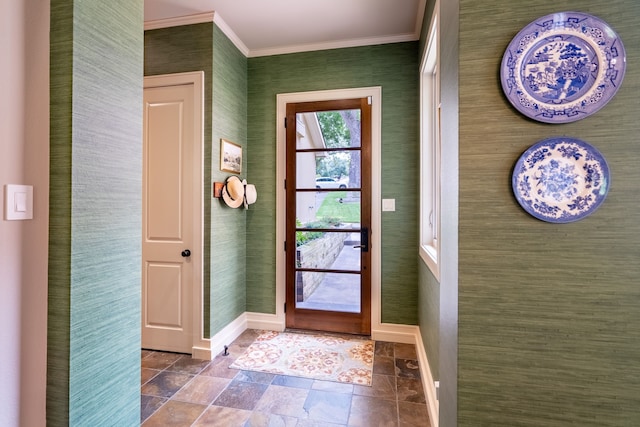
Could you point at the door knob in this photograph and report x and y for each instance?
(186, 253)
(364, 239)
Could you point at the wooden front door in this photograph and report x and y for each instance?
(328, 218)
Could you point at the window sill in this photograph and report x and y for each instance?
(429, 255)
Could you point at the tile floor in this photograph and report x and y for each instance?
(177, 390)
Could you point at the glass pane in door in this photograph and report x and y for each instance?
(328, 211)
(328, 291)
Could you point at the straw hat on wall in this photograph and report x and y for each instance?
(233, 192)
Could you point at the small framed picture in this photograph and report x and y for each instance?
(230, 157)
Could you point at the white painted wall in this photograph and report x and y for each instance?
(11, 171)
(24, 159)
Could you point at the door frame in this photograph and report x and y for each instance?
(200, 347)
(375, 93)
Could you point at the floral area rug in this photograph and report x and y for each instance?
(321, 357)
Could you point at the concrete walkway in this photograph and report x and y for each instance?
(339, 292)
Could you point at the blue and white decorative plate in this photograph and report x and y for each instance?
(563, 67)
(561, 180)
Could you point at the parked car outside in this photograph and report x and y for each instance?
(326, 182)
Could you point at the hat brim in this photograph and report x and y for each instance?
(232, 203)
(250, 195)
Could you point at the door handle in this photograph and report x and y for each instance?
(364, 240)
(186, 253)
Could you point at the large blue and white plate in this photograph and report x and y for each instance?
(561, 180)
(563, 67)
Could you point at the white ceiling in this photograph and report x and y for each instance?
(267, 27)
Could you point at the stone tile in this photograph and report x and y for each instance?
(246, 338)
(405, 351)
(240, 345)
(188, 365)
(278, 400)
(165, 384)
(259, 419)
(149, 405)
(412, 414)
(255, 377)
(332, 386)
(220, 416)
(296, 382)
(175, 413)
(312, 423)
(410, 390)
(241, 395)
(407, 368)
(384, 349)
(286, 401)
(382, 386)
(147, 374)
(384, 365)
(202, 389)
(371, 411)
(160, 360)
(328, 407)
(219, 367)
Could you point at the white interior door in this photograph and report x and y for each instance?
(170, 241)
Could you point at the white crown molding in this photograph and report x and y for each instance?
(217, 19)
(198, 18)
(333, 45)
(214, 17)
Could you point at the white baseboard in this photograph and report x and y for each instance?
(390, 332)
(411, 335)
(245, 321)
(228, 334)
(202, 352)
(268, 322)
(427, 382)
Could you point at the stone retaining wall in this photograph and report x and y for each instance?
(318, 253)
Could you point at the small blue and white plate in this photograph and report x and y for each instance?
(561, 180)
(563, 67)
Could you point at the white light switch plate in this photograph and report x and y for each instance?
(388, 205)
(18, 202)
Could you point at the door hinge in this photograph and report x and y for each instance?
(285, 122)
(285, 307)
(369, 100)
(285, 184)
(285, 246)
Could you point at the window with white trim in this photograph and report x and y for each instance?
(430, 151)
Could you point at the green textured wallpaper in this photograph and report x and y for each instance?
(59, 287)
(178, 50)
(228, 248)
(429, 316)
(93, 373)
(395, 68)
(549, 315)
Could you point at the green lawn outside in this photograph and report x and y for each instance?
(332, 208)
